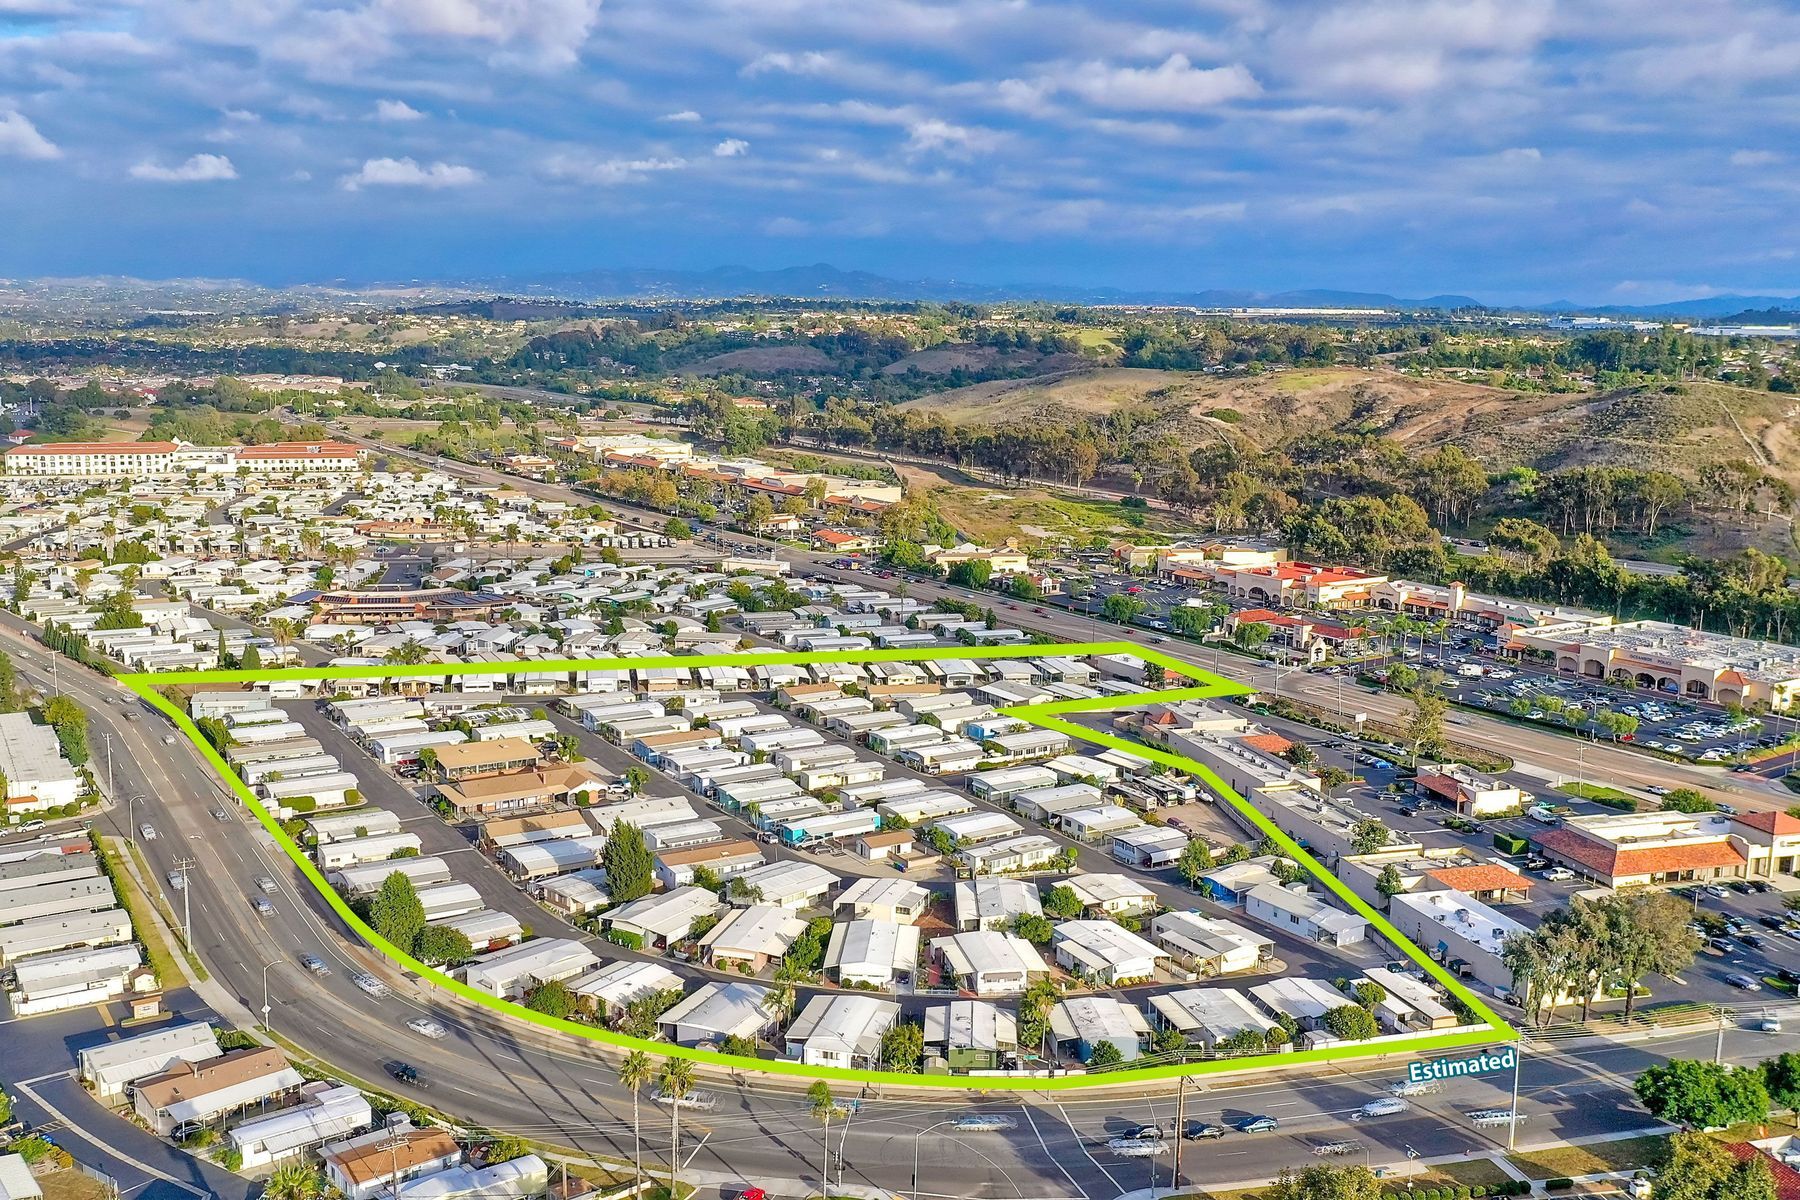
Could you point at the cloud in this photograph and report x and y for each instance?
(405, 172)
(1174, 85)
(605, 172)
(1755, 158)
(934, 134)
(201, 168)
(809, 62)
(686, 116)
(731, 148)
(19, 138)
(396, 110)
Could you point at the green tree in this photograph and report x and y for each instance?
(1351, 1023)
(1252, 635)
(1061, 901)
(1369, 835)
(677, 529)
(436, 944)
(1332, 778)
(1104, 1055)
(1781, 1077)
(1324, 1183)
(638, 777)
(553, 998)
(1037, 930)
(1389, 883)
(1687, 800)
(1424, 729)
(69, 721)
(1695, 1167)
(630, 872)
(1643, 933)
(505, 1149)
(1122, 608)
(1702, 1095)
(396, 914)
(294, 1181)
(1195, 861)
(902, 1047)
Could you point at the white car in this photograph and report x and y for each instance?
(148, 830)
(426, 1027)
(369, 984)
(177, 880)
(1559, 874)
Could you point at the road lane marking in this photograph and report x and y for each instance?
(1073, 1182)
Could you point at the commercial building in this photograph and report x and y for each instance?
(1459, 931)
(1468, 794)
(1624, 849)
(148, 460)
(1672, 659)
(37, 775)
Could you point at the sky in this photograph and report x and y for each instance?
(1608, 151)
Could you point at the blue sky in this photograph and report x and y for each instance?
(1608, 150)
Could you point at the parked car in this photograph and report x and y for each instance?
(1559, 874)
(1738, 979)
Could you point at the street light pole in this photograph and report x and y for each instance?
(187, 911)
(280, 962)
(916, 1138)
(1512, 1126)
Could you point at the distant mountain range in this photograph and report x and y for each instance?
(818, 281)
(823, 280)
(826, 281)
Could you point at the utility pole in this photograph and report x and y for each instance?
(1512, 1127)
(1180, 1129)
(1719, 1046)
(106, 740)
(187, 913)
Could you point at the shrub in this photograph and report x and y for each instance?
(621, 937)
(1561, 1184)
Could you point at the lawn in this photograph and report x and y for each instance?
(143, 922)
(140, 906)
(1096, 339)
(1627, 1154)
(991, 515)
(1597, 793)
(72, 1185)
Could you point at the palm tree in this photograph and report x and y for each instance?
(293, 1181)
(634, 1073)
(781, 1001)
(823, 1107)
(409, 653)
(676, 1082)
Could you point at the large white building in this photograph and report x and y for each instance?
(37, 775)
(147, 460)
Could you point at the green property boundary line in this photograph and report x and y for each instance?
(1207, 685)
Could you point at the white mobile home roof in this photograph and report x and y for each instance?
(50, 971)
(667, 914)
(44, 934)
(368, 877)
(309, 785)
(978, 826)
(875, 793)
(111, 1065)
(372, 849)
(1218, 1013)
(484, 926)
(920, 808)
(1011, 780)
(790, 883)
(449, 900)
(341, 826)
(982, 902)
(644, 813)
(55, 898)
(717, 1011)
(533, 860)
(619, 983)
(289, 768)
(509, 971)
(871, 950)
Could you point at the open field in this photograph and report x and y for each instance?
(1625, 1155)
(990, 515)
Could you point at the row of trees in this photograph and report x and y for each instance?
(1593, 948)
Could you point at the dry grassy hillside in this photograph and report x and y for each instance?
(1682, 429)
